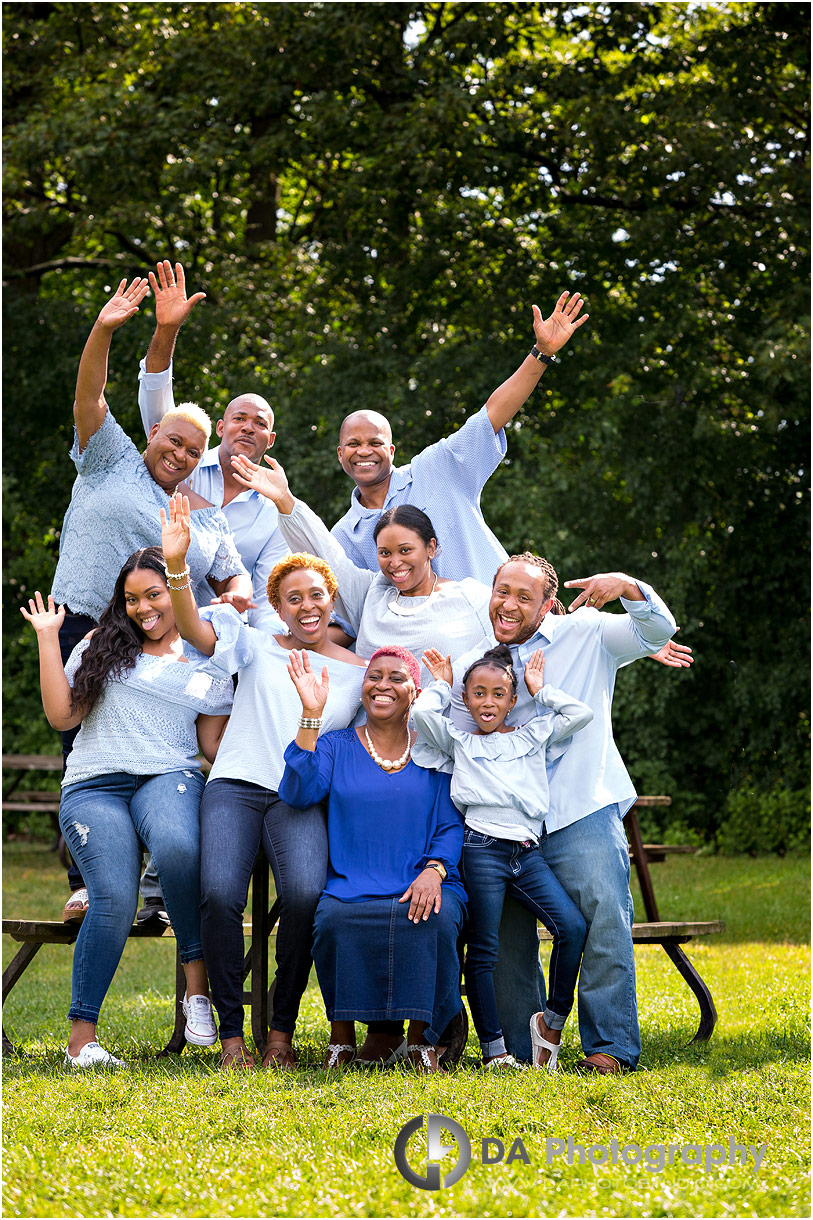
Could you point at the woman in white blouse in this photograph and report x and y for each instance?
(241, 807)
(406, 602)
(133, 776)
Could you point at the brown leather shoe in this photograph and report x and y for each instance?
(603, 1065)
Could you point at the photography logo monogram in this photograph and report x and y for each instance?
(435, 1151)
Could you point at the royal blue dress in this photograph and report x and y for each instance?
(372, 963)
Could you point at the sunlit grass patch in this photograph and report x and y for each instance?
(178, 1137)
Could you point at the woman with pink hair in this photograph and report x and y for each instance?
(387, 924)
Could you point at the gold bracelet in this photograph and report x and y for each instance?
(310, 722)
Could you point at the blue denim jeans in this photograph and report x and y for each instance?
(493, 868)
(105, 820)
(234, 817)
(590, 859)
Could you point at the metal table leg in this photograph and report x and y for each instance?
(708, 1013)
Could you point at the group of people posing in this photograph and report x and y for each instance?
(401, 715)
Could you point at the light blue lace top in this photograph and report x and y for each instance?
(144, 724)
(115, 509)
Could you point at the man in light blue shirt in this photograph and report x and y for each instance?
(590, 791)
(247, 427)
(447, 478)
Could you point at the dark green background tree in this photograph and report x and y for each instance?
(372, 196)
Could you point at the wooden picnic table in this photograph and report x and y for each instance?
(669, 934)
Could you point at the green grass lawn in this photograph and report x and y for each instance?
(170, 1138)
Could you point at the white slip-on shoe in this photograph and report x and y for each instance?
(504, 1061)
(76, 908)
(93, 1056)
(541, 1044)
(200, 1021)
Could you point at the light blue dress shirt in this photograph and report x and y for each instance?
(446, 481)
(583, 653)
(252, 518)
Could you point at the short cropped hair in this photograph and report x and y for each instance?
(193, 414)
(401, 654)
(293, 563)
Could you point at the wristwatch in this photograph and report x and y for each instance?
(540, 356)
(438, 867)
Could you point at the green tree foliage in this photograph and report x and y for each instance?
(372, 196)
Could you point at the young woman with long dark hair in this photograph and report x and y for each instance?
(145, 708)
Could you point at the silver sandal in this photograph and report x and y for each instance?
(420, 1056)
(334, 1050)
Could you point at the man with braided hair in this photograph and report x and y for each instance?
(583, 838)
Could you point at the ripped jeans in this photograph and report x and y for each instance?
(105, 820)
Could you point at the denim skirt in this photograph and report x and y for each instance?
(373, 964)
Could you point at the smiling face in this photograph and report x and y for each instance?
(405, 559)
(388, 691)
(173, 451)
(489, 696)
(519, 602)
(148, 603)
(305, 606)
(366, 449)
(247, 428)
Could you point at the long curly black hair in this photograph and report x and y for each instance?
(116, 643)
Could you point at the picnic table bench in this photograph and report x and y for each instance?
(32, 934)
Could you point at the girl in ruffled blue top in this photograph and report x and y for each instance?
(133, 777)
(499, 783)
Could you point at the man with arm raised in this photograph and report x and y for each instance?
(247, 429)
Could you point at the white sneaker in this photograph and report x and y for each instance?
(93, 1056)
(200, 1022)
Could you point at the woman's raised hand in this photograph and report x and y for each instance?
(313, 691)
(40, 618)
(271, 483)
(172, 307)
(534, 671)
(176, 531)
(123, 304)
(440, 667)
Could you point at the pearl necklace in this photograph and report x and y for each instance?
(386, 763)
